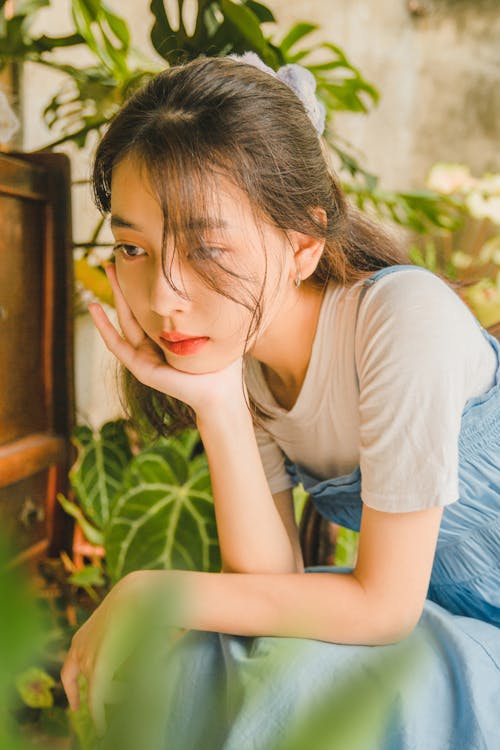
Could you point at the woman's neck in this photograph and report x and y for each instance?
(284, 350)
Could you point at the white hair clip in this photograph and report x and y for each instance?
(299, 79)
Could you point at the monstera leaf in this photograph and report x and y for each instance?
(220, 27)
(164, 516)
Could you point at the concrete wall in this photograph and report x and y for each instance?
(436, 64)
(437, 68)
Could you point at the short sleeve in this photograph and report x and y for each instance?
(273, 461)
(411, 354)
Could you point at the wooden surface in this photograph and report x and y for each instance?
(36, 352)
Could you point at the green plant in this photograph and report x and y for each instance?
(471, 253)
(25, 636)
(151, 509)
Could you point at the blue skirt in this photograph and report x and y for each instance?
(437, 689)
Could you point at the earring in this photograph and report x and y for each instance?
(297, 280)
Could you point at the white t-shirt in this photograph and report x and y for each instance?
(420, 356)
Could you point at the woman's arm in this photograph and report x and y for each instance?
(379, 603)
(253, 535)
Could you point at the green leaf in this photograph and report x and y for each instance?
(162, 33)
(297, 32)
(337, 51)
(263, 13)
(247, 24)
(346, 547)
(29, 7)
(98, 471)
(91, 8)
(164, 516)
(298, 56)
(48, 43)
(93, 535)
(415, 255)
(83, 23)
(82, 435)
(90, 575)
(159, 464)
(119, 28)
(90, 19)
(34, 686)
(186, 442)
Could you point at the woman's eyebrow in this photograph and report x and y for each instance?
(195, 223)
(119, 221)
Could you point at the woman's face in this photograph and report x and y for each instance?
(137, 224)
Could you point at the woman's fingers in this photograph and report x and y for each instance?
(142, 363)
(113, 340)
(69, 679)
(129, 325)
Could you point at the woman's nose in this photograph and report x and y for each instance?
(164, 298)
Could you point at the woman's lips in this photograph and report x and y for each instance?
(187, 346)
(177, 336)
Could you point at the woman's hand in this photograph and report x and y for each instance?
(139, 354)
(142, 605)
(94, 653)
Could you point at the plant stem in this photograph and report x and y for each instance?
(72, 136)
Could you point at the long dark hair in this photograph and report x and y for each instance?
(213, 117)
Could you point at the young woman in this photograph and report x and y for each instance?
(257, 306)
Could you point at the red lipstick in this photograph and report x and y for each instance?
(176, 336)
(182, 343)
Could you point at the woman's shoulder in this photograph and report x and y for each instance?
(414, 317)
(419, 296)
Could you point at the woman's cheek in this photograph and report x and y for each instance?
(129, 287)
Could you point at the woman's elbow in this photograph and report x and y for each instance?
(398, 629)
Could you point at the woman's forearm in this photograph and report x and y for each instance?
(252, 536)
(332, 607)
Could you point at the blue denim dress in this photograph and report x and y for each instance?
(438, 689)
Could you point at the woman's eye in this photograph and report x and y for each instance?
(128, 251)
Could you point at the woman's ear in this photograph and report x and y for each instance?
(307, 249)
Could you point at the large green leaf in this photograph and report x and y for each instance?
(163, 36)
(151, 510)
(98, 471)
(164, 516)
(105, 33)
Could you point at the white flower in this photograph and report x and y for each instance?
(490, 184)
(450, 178)
(483, 206)
(461, 259)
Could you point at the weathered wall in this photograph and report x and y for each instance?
(438, 72)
